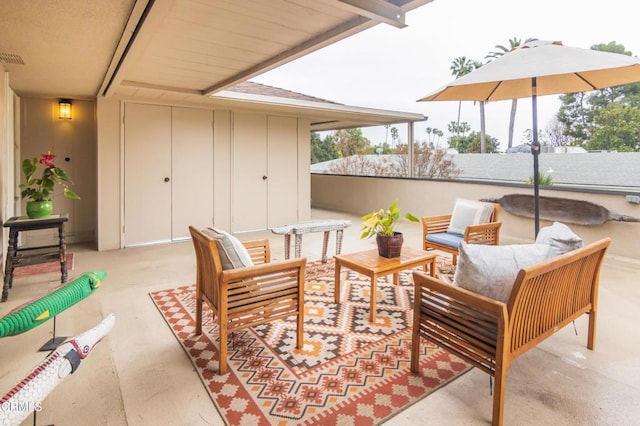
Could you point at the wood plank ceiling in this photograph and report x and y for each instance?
(164, 48)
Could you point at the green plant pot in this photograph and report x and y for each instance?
(39, 209)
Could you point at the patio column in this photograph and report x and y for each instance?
(412, 167)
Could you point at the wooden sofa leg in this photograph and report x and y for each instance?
(415, 333)
(455, 260)
(498, 398)
(198, 314)
(415, 354)
(300, 330)
(591, 338)
(222, 355)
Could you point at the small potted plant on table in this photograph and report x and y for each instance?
(38, 191)
(382, 223)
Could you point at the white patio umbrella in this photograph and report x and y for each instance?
(540, 68)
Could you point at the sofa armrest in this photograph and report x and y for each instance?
(467, 324)
(484, 233)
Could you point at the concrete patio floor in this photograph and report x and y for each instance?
(139, 374)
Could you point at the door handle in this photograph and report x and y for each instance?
(167, 179)
(264, 178)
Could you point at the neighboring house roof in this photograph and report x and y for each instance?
(598, 169)
(621, 169)
(322, 114)
(263, 89)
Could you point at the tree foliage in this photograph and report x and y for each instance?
(615, 127)
(430, 162)
(554, 135)
(461, 66)
(322, 149)
(364, 165)
(467, 144)
(603, 119)
(351, 142)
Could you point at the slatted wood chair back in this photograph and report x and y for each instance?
(208, 269)
(550, 295)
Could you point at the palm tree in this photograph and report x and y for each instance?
(483, 135)
(513, 44)
(459, 67)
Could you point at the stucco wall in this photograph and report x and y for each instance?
(74, 144)
(360, 195)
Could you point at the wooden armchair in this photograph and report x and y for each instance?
(435, 235)
(244, 297)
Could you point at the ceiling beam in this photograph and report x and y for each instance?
(141, 85)
(301, 49)
(137, 17)
(377, 10)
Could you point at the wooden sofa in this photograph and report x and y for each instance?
(436, 226)
(490, 334)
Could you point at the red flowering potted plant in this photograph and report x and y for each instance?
(39, 190)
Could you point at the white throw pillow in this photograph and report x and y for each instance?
(233, 254)
(492, 270)
(560, 237)
(468, 212)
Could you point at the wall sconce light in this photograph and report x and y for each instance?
(64, 109)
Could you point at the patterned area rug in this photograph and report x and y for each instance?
(348, 372)
(42, 268)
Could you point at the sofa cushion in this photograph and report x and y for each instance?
(492, 270)
(560, 237)
(233, 254)
(468, 212)
(445, 239)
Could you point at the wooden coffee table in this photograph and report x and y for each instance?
(370, 264)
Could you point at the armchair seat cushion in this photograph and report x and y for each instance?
(446, 239)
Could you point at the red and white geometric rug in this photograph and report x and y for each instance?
(348, 372)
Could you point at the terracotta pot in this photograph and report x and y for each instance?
(390, 246)
(39, 209)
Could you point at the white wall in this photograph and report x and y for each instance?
(361, 195)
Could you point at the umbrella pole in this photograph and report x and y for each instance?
(535, 150)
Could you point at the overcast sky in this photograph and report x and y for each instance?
(389, 68)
